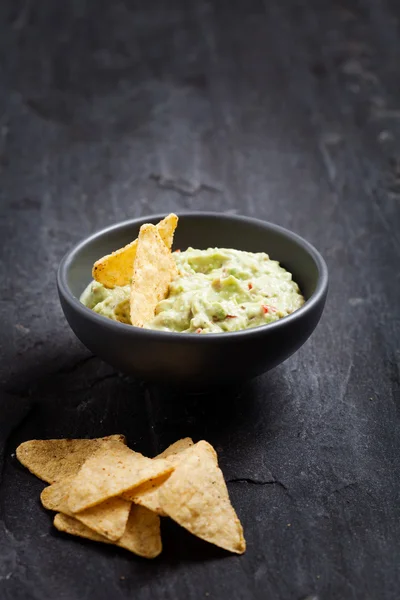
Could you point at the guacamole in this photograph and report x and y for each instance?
(216, 290)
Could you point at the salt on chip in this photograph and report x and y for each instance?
(53, 460)
(108, 518)
(153, 271)
(110, 472)
(142, 534)
(147, 494)
(196, 497)
(116, 269)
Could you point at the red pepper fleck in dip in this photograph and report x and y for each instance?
(267, 309)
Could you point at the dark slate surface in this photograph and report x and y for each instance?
(288, 111)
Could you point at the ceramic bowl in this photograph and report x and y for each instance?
(189, 359)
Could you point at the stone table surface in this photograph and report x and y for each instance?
(285, 111)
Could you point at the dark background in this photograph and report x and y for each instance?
(284, 110)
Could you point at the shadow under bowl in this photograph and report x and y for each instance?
(193, 360)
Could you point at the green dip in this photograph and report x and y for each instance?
(217, 290)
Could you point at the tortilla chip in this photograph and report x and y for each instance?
(153, 271)
(108, 518)
(196, 497)
(117, 268)
(147, 494)
(111, 471)
(176, 448)
(166, 229)
(53, 460)
(74, 527)
(142, 534)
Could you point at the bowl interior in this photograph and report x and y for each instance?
(203, 231)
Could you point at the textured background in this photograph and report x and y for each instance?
(287, 111)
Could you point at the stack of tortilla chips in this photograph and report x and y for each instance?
(104, 491)
(146, 264)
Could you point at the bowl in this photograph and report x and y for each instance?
(187, 359)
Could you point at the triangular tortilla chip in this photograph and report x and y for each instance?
(196, 497)
(74, 527)
(108, 518)
(117, 268)
(53, 460)
(147, 494)
(110, 472)
(153, 271)
(142, 534)
(176, 448)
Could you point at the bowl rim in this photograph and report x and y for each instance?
(175, 336)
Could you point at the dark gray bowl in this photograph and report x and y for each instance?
(187, 359)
